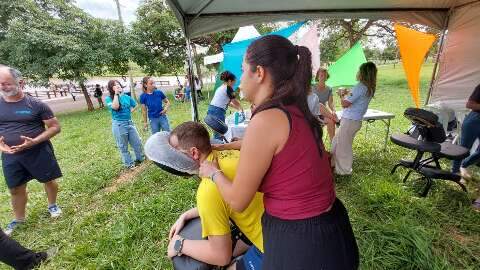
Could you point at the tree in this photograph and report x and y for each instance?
(160, 46)
(55, 38)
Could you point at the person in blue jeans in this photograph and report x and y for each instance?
(154, 104)
(470, 133)
(121, 106)
(224, 96)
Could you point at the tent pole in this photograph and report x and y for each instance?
(439, 54)
(193, 92)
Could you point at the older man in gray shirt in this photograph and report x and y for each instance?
(26, 126)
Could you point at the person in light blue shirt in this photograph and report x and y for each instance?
(355, 106)
(121, 107)
(154, 104)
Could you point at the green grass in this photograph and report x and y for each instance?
(127, 229)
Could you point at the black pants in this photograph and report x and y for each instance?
(18, 257)
(324, 242)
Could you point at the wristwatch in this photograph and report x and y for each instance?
(178, 246)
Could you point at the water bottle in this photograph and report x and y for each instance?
(236, 118)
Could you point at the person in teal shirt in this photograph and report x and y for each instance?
(121, 107)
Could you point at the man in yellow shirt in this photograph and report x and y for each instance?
(193, 140)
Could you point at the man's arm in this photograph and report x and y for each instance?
(178, 226)
(53, 128)
(217, 250)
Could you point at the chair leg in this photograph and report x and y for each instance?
(461, 185)
(406, 176)
(427, 187)
(394, 169)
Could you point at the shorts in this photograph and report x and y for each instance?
(38, 162)
(251, 260)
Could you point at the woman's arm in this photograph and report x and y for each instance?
(236, 145)
(236, 104)
(331, 104)
(265, 136)
(116, 101)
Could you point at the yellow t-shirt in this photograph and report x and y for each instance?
(215, 212)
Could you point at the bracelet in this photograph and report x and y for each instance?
(212, 176)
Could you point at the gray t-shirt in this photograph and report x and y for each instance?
(22, 118)
(313, 104)
(324, 95)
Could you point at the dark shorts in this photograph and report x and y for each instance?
(323, 242)
(38, 163)
(251, 260)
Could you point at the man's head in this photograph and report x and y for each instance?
(191, 138)
(11, 81)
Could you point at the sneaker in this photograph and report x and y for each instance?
(54, 211)
(138, 162)
(465, 174)
(12, 226)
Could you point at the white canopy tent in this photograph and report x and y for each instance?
(243, 33)
(459, 64)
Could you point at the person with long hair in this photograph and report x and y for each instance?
(355, 106)
(224, 96)
(155, 104)
(327, 106)
(121, 106)
(282, 155)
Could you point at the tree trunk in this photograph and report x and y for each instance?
(87, 96)
(197, 64)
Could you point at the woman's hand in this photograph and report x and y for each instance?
(207, 168)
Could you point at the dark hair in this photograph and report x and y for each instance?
(144, 82)
(368, 76)
(290, 68)
(227, 76)
(193, 134)
(110, 85)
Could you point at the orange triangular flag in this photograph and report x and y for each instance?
(413, 46)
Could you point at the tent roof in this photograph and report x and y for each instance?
(199, 17)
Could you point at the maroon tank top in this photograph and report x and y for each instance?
(299, 183)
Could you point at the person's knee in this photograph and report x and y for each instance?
(18, 191)
(51, 184)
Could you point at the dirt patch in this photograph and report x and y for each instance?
(126, 177)
(460, 237)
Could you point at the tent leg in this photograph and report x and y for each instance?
(193, 92)
(439, 53)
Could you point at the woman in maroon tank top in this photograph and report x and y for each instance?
(282, 155)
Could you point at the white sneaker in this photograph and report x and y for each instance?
(54, 211)
(12, 226)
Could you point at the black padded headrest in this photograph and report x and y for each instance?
(421, 117)
(427, 125)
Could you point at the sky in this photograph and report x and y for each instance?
(107, 9)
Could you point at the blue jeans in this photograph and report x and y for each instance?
(125, 133)
(470, 132)
(219, 113)
(158, 124)
(187, 93)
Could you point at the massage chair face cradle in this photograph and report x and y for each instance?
(428, 136)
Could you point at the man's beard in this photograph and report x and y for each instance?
(10, 93)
